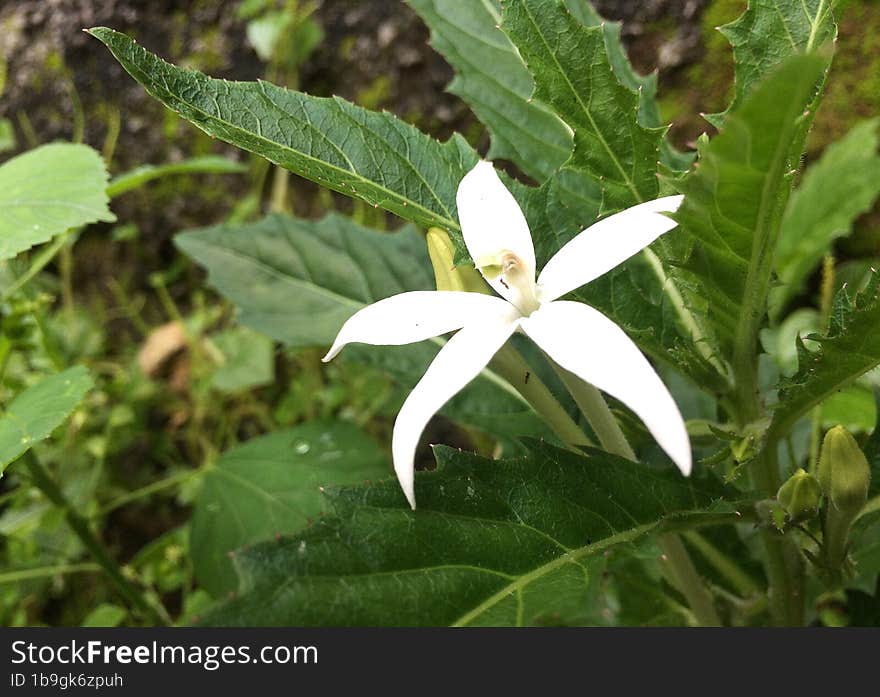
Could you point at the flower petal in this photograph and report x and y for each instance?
(585, 342)
(604, 245)
(492, 223)
(415, 316)
(458, 362)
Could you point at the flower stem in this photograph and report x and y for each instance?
(685, 577)
(593, 405)
(681, 569)
(511, 366)
(80, 526)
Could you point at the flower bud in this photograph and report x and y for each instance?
(447, 275)
(800, 496)
(843, 471)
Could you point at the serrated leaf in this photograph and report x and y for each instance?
(733, 207)
(492, 543)
(491, 78)
(840, 186)
(297, 281)
(767, 34)
(209, 164)
(574, 77)
(368, 155)
(48, 190)
(39, 410)
(271, 485)
(850, 349)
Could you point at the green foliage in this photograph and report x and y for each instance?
(246, 360)
(372, 156)
(272, 485)
(39, 410)
(297, 280)
(840, 186)
(768, 33)
(733, 207)
(615, 157)
(850, 349)
(47, 191)
(516, 537)
(491, 78)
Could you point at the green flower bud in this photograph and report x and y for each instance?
(447, 275)
(800, 496)
(843, 471)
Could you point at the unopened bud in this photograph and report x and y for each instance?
(447, 275)
(843, 471)
(800, 496)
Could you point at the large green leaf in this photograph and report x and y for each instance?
(768, 33)
(840, 186)
(39, 410)
(47, 191)
(299, 280)
(369, 155)
(850, 349)
(491, 543)
(271, 485)
(491, 78)
(569, 62)
(733, 208)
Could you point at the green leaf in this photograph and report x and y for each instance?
(368, 155)
(297, 281)
(733, 207)
(209, 164)
(492, 543)
(247, 360)
(272, 485)
(105, 615)
(47, 191)
(767, 34)
(492, 79)
(613, 152)
(39, 410)
(840, 186)
(850, 349)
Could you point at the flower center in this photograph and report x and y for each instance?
(517, 279)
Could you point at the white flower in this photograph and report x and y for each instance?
(577, 337)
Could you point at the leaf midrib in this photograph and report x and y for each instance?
(144, 80)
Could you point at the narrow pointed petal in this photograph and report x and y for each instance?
(606, 244)
(459, 362)
(492, 223)
(585, 342)
(415, 316)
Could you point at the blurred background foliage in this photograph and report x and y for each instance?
(178, 382)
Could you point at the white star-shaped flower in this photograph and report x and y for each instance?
(576, 336)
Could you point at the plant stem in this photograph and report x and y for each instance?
(43, 571)
(681, 568)
(782, 560)
(687, 580)
(592, 404)
(727, 567)
(511, 366)
(80, 526)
